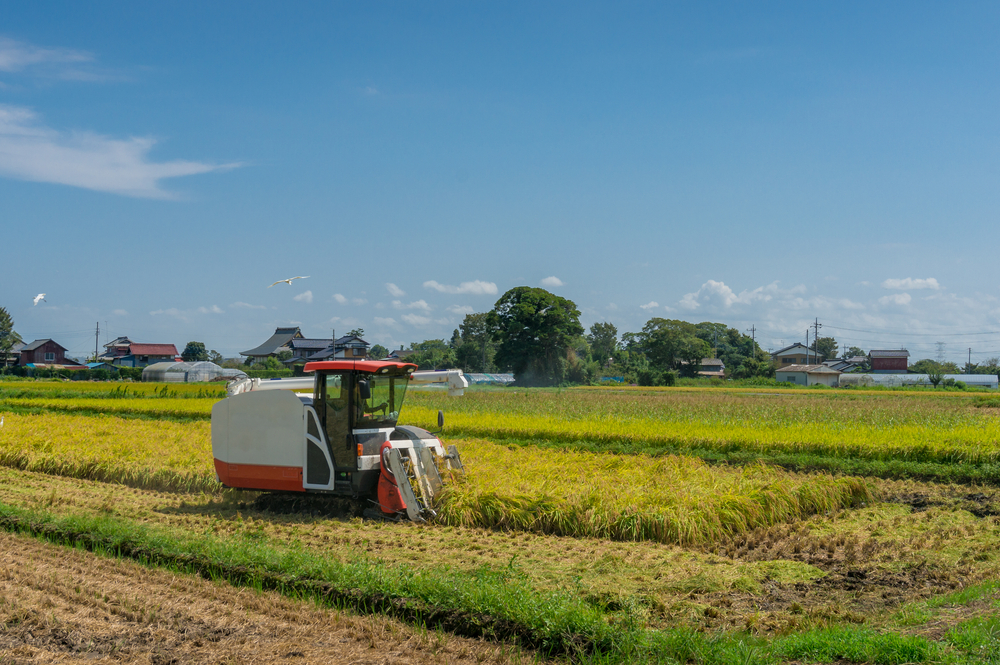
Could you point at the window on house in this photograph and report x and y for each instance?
(50, 357)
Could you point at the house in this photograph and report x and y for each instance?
(794, 354)
(44, 351)
(890, 361)
(303, 348)
(274, 345)
(400, 354)
(808, 375)
(712, 367)
(116, 348)
(846, 364)
(349, 347)
(13, 355)
(141, 355)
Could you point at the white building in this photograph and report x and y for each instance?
(809, 375)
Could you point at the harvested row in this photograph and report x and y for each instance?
(624, 497)
(61, 603)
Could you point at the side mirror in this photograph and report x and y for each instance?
(365, 390)
(440, 419)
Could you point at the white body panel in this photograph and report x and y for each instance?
(240, 423)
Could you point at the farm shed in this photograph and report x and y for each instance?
(809, 375)
(188, 372)
(889, 361)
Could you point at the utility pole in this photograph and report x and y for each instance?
(816, 326)
(968, 365)
(97, 340)
(807, 346)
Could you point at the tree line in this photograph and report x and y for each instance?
(537, 335)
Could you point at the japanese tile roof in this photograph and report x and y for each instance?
(280, 338)
(153, 350)
(809, 369)
(889, 353)
(38, 343)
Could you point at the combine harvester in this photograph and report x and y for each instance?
(339, 440)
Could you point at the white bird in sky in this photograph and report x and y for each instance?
(286, 281)
(40, 296)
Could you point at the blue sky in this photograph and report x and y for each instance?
(758, 164)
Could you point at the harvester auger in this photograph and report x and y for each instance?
(340, 440)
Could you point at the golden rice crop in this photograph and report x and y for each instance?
(867, 427)
(627, 497)
(141, 453)
(169, 407)
(670, 499)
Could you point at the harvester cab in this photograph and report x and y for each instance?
(342, 438)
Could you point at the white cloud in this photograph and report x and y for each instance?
(416, 319)
(895, 299)
(246, 305)
(652, 304)
(214, 309)
(461, 310)
(717, 293)
(416, 304)
(305, 296)
(911, 284)
(30, 151)
(384, 321)
(476, 288)
(394, 290)
(613, 307)
(17, 56)
(173, 311)
(552, 282)
(120, 312)
(340, 298)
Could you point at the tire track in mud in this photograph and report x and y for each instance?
(66, 605)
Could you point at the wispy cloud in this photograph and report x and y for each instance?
(652, 304)
(214, 309)
(34, 152)
(384, 321)
(552, 282)
(416, 319)
(909, 283)
(18, 56)
(416, 304)
(305, 296)
(120, 312)
(394, 290)
(461, 310)
(476, 288)
(900, 299)
(246, 305)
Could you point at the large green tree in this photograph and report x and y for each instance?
(194, 351)
(8, 337)
(534, 330)
(668, 342)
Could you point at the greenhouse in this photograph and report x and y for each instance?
(189, 372)
(898, 380)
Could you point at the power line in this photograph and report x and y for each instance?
(915, 334)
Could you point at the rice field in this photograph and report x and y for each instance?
(914, 427)
(577, 503)
(623, 497)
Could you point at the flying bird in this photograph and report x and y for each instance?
(286, 281)
(40, 296)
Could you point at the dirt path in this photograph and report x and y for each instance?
(60, 605)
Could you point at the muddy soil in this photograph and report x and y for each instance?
(60, 605)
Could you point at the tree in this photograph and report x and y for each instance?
(603, 340)
(194, 351)
(8, 337)
(825, 348)
(666, 342)
(357, 332)
(854, 351)
(476, 350)
(534, 330)
(378, 352)
(432, 354)
(215, 357)
(928, 366)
